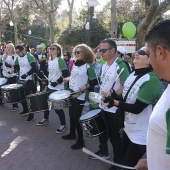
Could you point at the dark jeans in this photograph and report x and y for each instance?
(131, 152)
(28, 88)
(75, 111)
(112, 132)
(60, 113)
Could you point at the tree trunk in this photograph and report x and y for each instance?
(70, 13)
(15, 32)
(113, 19)
(51, 22)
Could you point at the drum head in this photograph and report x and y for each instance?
(59, 95)
(3, 81)
(37, 94)
(90, 114)
(12, 86)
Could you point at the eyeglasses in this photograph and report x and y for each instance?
(53, 49)
(77, 52)
(142, 52)
(103, 50)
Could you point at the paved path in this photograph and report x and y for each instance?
(26, 146)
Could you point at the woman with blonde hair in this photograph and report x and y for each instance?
(9, 63)
(82, 79)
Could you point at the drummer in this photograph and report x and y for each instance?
(82, 77)
(27, 68)
(110, 72)
(9, 65)
(57, 69)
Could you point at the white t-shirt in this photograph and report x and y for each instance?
(147, 89)
(108, 76)
(79, 78)
(7, 72)
(158, 154)
(54, 74)
(25, 65)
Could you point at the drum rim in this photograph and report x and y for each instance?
(59, 91)
(35, 94)
(90, 117)
(20, 86)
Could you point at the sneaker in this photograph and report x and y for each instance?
(78, 145)
(15, 109)
(69, 137)
(23, 113)
(99, 153)
(61, 129)
(43, 122)
(30, 118)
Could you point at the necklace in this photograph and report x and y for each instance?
(105, 71)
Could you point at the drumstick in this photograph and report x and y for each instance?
(44, 75)
(97, 78)
(104, 160)
(38, 77)
(117, 78)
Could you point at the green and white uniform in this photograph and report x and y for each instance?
(158, 139)
(147, 89)
(79, 77)
(25, 65)
(55, 68)
(109, 75)
(12, 60)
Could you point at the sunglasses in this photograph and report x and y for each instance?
(64, 55)
(77, 52)
(103, 50)
(142, 52)
(53, 49)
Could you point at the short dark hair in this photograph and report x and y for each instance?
(159, 35)
(111, 43)
(67, 54)
(19, 47)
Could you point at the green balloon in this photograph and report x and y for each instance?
(43, 46)
(102, 61)
(129, 30)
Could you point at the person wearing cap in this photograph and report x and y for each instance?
(43, 65)
(121, 52)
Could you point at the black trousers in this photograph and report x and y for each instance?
(131, 152)
(60, 112)
(28, 88)
(75, 111)
(112, 133)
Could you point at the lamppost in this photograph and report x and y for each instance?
(87, 26)
(91, 4)
(11, 25)
(29, 32)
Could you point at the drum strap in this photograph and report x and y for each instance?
(138, 77)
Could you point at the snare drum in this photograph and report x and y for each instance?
(96, 97)
(93, 123)
(60, 99)
(37, 102)
(12, 93)
(3, 81)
